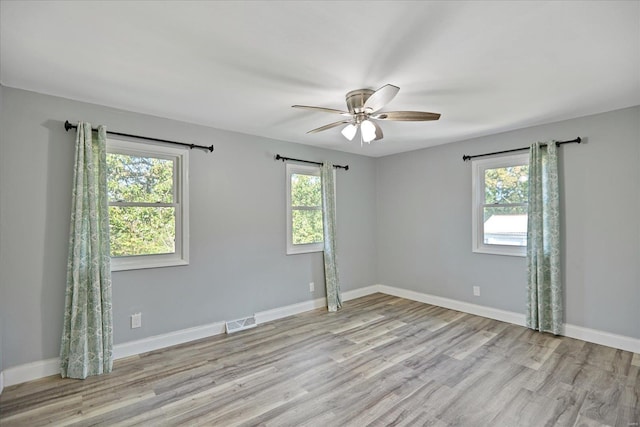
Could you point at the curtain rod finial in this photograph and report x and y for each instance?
(67, 125)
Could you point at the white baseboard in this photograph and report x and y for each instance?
(289, 310)
(44, 368)
(31, 371)
(157, 342)
(301, 307)
(360, 292)
(478, 310)
(595, 336)
(572, 331)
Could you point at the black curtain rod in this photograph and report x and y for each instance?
(68, 126)
(558, 143)
(279, 157)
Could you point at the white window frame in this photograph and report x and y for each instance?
(180, 157)
(293, 168)
(478, 168)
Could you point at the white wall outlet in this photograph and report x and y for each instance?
(476, 291)
(136, 320)
(312, 286)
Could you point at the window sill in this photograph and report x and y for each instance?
(305, 249)
(140, 264)
(518, 251)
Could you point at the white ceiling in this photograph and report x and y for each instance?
(486, 66)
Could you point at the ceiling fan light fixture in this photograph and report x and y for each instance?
(363, 113)
(368, 130)
(349, 131)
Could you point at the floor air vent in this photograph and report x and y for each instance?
(240, 324)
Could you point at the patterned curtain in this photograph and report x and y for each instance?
(87, 337)
(544, 304)
(334, 300)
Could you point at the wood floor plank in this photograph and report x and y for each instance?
(469, 345)
(380, 361)
(53, 412)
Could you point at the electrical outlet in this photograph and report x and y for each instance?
(312, 286)
(476, 291)
(136, 320)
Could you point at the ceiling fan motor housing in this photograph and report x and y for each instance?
(356, 99)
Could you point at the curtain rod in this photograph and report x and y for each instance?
(279, 157)
(558, 143)
(68, 126)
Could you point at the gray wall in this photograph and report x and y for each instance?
(424, 222)
(237, 225)
(404, 220)
(2, 297)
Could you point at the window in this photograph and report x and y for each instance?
(500, 195)
(304, 209)
(148, 205)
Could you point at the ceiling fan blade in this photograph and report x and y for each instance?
(329, 126)
(379, 134)
(322, 109)
(406, 116)
(380, 98)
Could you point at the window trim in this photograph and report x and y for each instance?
(478, 168)
(180, 156)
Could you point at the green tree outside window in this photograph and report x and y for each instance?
(141, 205)
(306, 209)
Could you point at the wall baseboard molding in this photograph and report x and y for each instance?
(289, 310)
(157, 342)
(39, 369)
(466, 307)
(595, 336)
(44, 368)
(608, 339)
(301, 307)
(360, 292)
(31, 371)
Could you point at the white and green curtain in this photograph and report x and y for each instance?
(544, 303)
(87, 337)
(334, 300)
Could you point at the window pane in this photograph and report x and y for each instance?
(141, 230)
(307, 226)
(306, 190)
(506, 185)
(505, 225)
(139, 179)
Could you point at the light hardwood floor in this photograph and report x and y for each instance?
(380, 361)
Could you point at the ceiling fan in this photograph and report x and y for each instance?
(365, 105)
